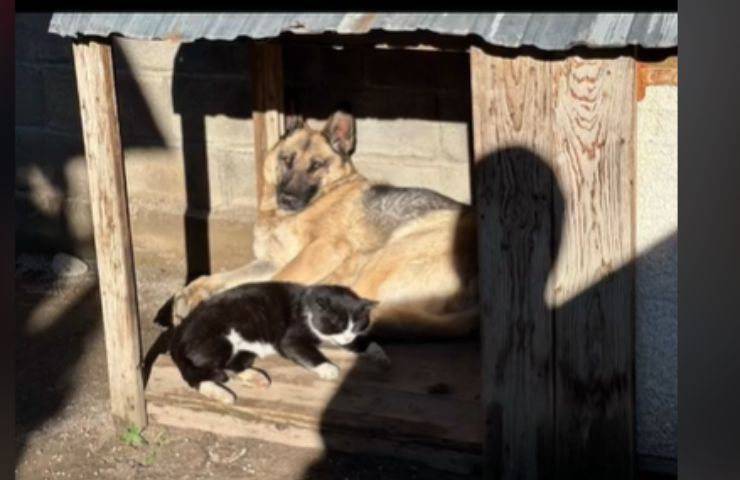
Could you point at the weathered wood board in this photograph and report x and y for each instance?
(553, 144)
(368, 409)
(593, 295)
(109, 207)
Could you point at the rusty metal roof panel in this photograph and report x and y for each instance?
(547, 31)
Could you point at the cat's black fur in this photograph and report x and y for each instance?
(272, 313)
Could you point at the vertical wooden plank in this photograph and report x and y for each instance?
(267, 110)
(593, 277)
(512, 141)
(109, 205)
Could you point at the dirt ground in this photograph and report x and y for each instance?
(63, 425)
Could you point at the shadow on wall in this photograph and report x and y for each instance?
(520, 231)
(193, 99)
(51, 340)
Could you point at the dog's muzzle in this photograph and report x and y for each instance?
(290, 202)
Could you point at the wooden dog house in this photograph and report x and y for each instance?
(550, 387)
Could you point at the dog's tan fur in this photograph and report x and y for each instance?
(423, 272)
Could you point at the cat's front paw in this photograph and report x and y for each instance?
(376, 354)
(217, 392)
(327, 371)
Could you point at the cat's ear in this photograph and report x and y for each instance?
(369, 304)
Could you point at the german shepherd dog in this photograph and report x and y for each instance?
(321, 222)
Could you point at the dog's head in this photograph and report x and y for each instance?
(336, 314)
(305, 160)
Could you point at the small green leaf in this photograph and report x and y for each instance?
(133, 437)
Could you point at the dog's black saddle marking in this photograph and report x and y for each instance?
(388, 206)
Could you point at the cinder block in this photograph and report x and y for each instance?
(216, 95)
(453, 73)
(454, 125)
(388, 104)
(38, 231)
(369, 104)
(455, 142)
(37, 148)
(159, 235)
(145, 110)
(408, 69)
(232, 178)
(452, 180)
(412, 138)
(311, 65)
(301, 65)
(33, 43)
(213, 58)
(156, 176)
(62, 104)
(29, 96)
(26, 33)
(229, 132)
(418, 70)
(454, 107)
(144, 55)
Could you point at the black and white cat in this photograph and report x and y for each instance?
(223, 335)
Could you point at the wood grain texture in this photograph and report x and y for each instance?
(553, 142)
(368, 409)
(512, 139)
(267, 107)
(593, 278)
(109, 205)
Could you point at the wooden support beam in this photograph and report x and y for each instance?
(554, 167)
(109, 205)
(267, 108)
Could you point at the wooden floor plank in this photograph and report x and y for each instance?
(389, 412)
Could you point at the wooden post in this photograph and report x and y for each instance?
(267, 106)
(512, 139)
(554, 165)
(109, 205)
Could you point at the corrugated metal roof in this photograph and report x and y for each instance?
(547, 31)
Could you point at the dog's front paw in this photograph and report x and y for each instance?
(327, 371)
(375, 353)
(188, 298)
(255, 378)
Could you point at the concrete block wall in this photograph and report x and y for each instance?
(185, 117)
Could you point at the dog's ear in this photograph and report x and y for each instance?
(293, 122)
(340, 131)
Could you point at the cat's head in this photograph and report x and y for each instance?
(336, 314)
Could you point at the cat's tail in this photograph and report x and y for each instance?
(404, 322)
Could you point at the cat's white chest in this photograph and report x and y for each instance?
(239, 344)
